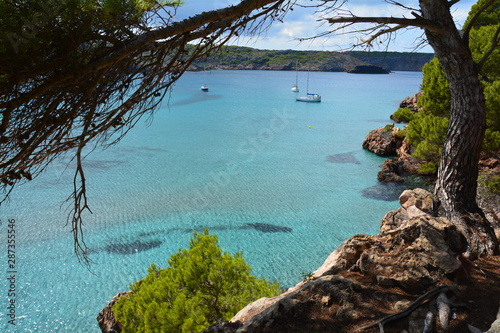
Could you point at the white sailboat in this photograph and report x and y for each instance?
(204, 87)
(295, 87)
(309, 97)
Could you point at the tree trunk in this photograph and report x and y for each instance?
(458, 171)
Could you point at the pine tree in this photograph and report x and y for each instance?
(200, 285)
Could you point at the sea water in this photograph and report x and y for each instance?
(284, 182)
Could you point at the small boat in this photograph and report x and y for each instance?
(295, 87)
(204, 87)
(312, 98)
(309, 98)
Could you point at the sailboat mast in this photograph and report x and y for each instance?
(296, 73)
(307, 86)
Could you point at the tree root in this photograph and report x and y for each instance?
(412, 307)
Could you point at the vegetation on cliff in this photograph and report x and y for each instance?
(200, 285)
(238, 57)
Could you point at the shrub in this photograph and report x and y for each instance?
(430, 168)
(388, 128)
(200, 285)
(427, 133)
(436, 90)
(403, 115)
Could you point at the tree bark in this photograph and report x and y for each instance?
(456, 185)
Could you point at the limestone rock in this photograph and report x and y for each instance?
(393, 220)
(415, 255)
(383, 141)
(416, 202)
(390, 172)
(106, 318)
(419, 198)
(495, 327)
(410, 102)
(255, 307)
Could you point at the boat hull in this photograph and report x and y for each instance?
(311, 98)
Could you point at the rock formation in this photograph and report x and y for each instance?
(106, 318)
(411, 102)
(383, 141)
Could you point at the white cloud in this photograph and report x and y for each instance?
(303, 23)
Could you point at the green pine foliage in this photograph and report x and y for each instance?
(492, 136)
(426, 133)
(430, 168)
(435, 99)
(488, 17)
(200, 285)
(436, 90)
(403, 115)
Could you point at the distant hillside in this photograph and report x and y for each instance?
(394, 61)
(237, 57)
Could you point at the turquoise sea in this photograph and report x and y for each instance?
(283, 181)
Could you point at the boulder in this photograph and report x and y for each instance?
(416, 202)
(393, 220)
(383, 141)
(415, 255)
(420, 199)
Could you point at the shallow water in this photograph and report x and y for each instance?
(283, 181)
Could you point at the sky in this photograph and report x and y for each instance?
(303, 23)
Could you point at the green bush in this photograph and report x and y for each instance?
(201, 285)
(492, 136)
(430, 168)
(490, 182)
(404, 115)
(388, 128)
(436, 97)
(427, 133)
(493, 184)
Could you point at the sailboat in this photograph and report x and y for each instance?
(309, 97)
(295, 87)
(204, 87)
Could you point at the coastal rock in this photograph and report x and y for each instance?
(368, 69)
(415, 255)
(393, 220)
(383, 141)
(410, 102)
(419, 198)
(106, 318)
(390, 172)
(414, 203)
